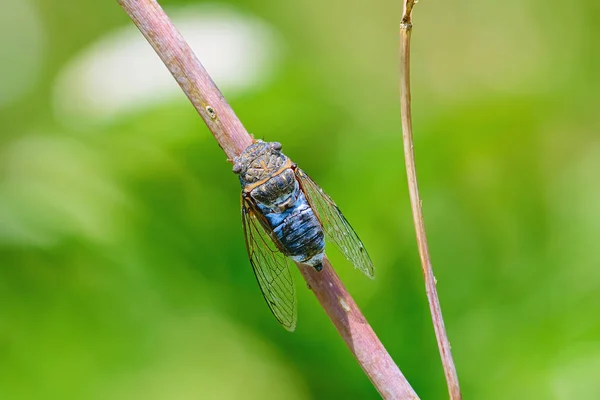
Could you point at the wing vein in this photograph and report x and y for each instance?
(336, 226)
(270, 267)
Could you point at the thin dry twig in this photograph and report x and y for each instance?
(415, 201)
(233, 139)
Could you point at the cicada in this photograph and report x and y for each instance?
(286, 215)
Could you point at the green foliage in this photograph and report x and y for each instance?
(123, 272)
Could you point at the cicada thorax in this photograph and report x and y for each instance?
(277, 191)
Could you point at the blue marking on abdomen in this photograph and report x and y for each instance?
(297, 229)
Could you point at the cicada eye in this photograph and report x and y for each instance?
(237, 168)
(276, 146)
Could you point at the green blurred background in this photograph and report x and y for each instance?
(123, 271)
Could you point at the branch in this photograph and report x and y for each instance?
(357, 333)
(416, 204)
(229, 132)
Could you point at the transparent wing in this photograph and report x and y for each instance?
(335, 225)
(270, 267)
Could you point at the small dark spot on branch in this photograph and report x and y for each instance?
(211, 112)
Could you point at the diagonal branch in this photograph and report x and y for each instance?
(415, 201)
(229, 132)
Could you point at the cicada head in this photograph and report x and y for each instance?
(259, 161)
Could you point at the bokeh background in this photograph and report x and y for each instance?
(123, 271)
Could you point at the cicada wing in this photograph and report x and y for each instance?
(270, 267)
(335, 225)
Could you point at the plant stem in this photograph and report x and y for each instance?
(357, 333)
(189, 73)
(229, 132)
(416, 205)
